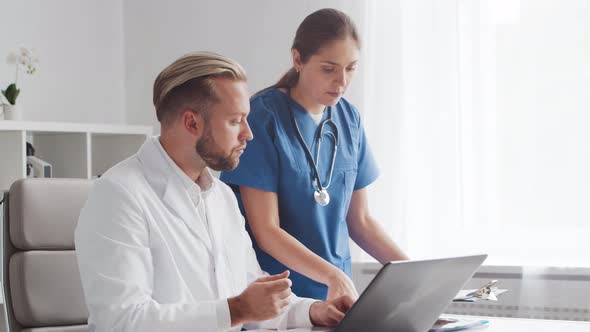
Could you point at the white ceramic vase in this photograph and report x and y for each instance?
(13, 112)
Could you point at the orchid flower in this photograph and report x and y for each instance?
(25, 57)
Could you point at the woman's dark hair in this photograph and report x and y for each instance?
(317, 30)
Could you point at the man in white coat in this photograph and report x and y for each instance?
(161, 243)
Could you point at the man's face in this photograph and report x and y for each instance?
(226, 129)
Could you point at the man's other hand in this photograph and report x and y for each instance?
(330, 313)
(263, 299)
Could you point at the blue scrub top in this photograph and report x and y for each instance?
(275, 161)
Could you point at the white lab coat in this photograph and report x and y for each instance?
(148, 263)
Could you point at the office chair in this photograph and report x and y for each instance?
(40, 277)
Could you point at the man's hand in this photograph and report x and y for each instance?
(331, 312)
(263, 299)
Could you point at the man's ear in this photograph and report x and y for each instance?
(193, 122)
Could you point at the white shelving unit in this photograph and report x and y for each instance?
(74, 150)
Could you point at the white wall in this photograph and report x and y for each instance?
(98, 59)
(256, 33)
(80, 45)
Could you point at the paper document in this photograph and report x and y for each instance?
(448, 324)
(487, 292)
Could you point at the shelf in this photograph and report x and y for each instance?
(108, 149)
(70, 127)
(74, 150)
(66, 152)
(12, 157)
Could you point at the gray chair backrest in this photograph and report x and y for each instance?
(40, 279)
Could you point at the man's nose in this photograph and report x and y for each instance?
(246, 132)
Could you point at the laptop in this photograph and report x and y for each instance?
(409, 296)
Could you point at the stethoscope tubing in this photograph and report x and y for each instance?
(319, 136)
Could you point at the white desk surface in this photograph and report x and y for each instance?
(498, 324)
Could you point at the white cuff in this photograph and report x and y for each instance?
(223, 315)
(302, 315)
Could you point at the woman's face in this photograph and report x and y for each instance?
(326, 75)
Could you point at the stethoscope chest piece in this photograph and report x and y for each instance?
(322, 197)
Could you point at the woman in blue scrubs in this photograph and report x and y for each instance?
(301, 182)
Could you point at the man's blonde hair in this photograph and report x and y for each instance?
(189, 83)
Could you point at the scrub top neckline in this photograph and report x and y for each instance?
(299, 108)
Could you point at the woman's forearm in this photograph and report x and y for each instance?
(263, 216)
(368, 233)
(293, 254)
(373, 239)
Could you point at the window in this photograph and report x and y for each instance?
(478, 113)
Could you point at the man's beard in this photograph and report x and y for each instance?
(212, 154)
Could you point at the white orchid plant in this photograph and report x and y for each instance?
(26, 58)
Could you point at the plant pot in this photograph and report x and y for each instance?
(13, 112)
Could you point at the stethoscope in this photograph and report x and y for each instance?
(320, 193)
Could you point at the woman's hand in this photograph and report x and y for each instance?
(339, 284)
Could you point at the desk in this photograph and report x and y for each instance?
(498, 324)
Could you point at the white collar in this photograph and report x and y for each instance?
(204, 183)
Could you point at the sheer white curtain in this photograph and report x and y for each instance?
(477, 117)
